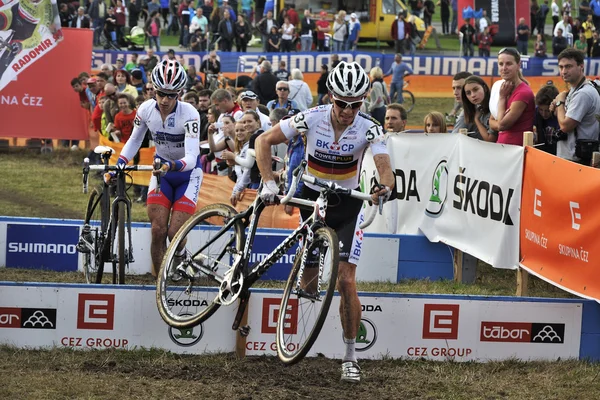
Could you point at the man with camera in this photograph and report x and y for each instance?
(577, 110)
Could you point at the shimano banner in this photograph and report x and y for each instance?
(42, 246)
(311, 62)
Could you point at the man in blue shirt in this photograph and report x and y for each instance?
(398, 70)
(354, 32)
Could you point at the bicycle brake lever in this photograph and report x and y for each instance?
(86, 171)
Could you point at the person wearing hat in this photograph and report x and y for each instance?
(137, 80)
(322, 28)
(353, 32)
(120, 63)
(249, 101)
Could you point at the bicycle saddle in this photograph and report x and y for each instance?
(103, 150)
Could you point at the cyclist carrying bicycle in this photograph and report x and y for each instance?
(337, 136)
(175, 129)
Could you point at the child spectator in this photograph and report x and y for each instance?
(435, 123)
(545, 123)
(274, 40)
(485, 41)
(123, 125)
(476, 105)
(238, 160)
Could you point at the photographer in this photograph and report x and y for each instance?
(576, 110)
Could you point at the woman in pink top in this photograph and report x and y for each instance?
(516, 105)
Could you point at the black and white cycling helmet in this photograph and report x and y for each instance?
(169, 75)
(348, 80)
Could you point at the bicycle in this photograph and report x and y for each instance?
(218, 271)
(106, 233)
(409, 98)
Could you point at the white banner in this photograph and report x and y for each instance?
(474, 201)
(34, 30)
(412, 156)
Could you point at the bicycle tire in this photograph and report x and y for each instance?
(197, 300)
(121, 254)
(294, 342)
(93, 261)
(409, 100)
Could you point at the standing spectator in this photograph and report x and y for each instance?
(428, 11)
(559, 43)
(164, 10)
(123, 84)
(596, 45)
(226, 31)
(121, 19)
(134, 9)
(264, 26)
(353, 32)
(123, 125)
(192, 78)
(283, 99)
(265, 83)
(534, 9)
(458, 82)
(66, 17)
(595, 9)
(398, 70)
(454, 25)
(242, 34)
(396, 118)
(322, 84)
(322, 28)
(445, 14)
(516, 103)
(247, 9)
(340, 29)
(249, 101)
(97, 11)
(299, 90)
(484, 40)
(306, 31)
(555, 15)
(226, 6)
(378, 96)
(476, 105)
(576, 110)
(335, 60)
(137, 80)
(581, 44)
(152, 60)
(81, 20)
(468, 33)
(434, 123)
(132, 64)
(287, 35)
(274, 40)
(207, 8)
(523, 36)
(540, 18)
(563, 25)
(400, 32)
(540, 46)
(199, 21)
(282, 73)
(293, 15)
(152, 29)
(545, 124)
(184, 23)
(588, 29)
(214, 20)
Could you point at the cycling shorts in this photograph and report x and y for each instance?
(177, 189)
(344, 215)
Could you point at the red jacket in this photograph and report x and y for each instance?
(407, 29)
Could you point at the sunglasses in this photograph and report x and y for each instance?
(283, 89)
(347, 104)
(150, 89)
(510, 50)
(169, 95)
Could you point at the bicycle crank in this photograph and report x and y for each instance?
(231, 287)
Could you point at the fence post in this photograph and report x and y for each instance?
(465, 265)
(522, 275)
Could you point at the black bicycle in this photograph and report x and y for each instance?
(215, 268)
(106, 233)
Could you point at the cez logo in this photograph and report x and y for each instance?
(440, 321)
(96, 311)
(270, 314)
(334, 146)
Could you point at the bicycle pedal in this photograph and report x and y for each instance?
(244, 330)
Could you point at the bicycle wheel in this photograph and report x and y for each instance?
(188, 295)
(121, 240)
(307, 295)
(93, 243)
(409, 100)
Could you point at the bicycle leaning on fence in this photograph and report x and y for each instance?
(215, 270)
(106, 233)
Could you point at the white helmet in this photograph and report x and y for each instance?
(169, 75)
(348, 80)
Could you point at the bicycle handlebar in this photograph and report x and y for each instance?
(106, 168)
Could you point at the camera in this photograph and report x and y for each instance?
(559, 136)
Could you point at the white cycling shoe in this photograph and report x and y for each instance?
(350, 372)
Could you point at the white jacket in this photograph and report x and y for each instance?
(300, 93)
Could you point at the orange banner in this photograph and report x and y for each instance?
(41, 102)
(217, 189)
(141, 178)
(560, 221)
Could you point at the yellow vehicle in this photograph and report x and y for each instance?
(375, 16)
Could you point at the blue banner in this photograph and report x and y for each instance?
(42, 246)
(245, 63)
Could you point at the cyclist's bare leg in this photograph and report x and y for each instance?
(178, 218)
(159, 220)
(350, 311)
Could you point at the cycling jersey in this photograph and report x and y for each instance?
(327, 159)
(176, 139)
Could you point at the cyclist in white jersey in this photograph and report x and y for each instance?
(175, 129)
(337, 137)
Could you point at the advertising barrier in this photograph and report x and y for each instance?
(560, 221)
(431, 327)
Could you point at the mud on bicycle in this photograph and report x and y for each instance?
(106, 233)
(216, 270)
